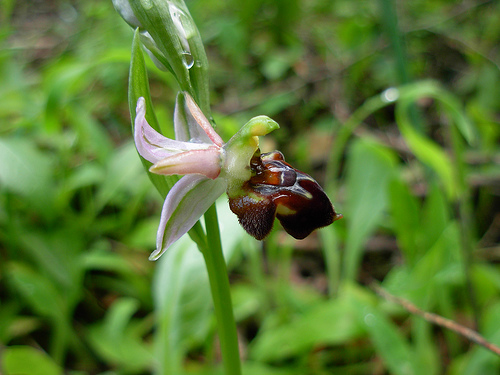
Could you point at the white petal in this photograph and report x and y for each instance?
(190, 197)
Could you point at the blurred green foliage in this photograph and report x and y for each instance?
(78, 215)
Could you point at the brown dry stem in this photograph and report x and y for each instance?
(437, 319)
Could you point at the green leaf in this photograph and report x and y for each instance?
(105, 261)
(394, 349)
(435, 217)
(40, 293)
(406, 219)
(19, 360)
(370, 167)
(27, 171)
(441, 266)
(123, 173)
(426, 349)
(397, 354)
(309, 330)
(119, 337)
(91, 134)
(139, 84)
(257, 368)
(450, 104)
(14, 325)
(63, 81)
(247, 301)
(139, 87)
(426, 150)
(183, 303)
(277, 64)
(88, 174)
(143, 234)
(480, 360)
(57, 255)
(486, 282)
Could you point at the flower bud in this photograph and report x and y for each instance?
(125, 10)
(172, 40)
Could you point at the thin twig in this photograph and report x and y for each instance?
(437, 319)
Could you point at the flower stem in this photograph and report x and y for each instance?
(219, 285)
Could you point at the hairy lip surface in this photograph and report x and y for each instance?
(276, 189)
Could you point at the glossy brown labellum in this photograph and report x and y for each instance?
(276, 189)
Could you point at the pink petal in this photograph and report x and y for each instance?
(200, 121)
(205, 162)
(153, 146)
(190, 197)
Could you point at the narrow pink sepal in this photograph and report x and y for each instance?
(152, 145)
(205, 162)
(190, 198)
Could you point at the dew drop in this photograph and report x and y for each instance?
(390, 95)
(68, 13)
(185, 31)
(369, 319)
(147, 4)
(187, 60)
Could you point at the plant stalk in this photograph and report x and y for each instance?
(219, 285)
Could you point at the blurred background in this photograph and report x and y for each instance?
(78, 215)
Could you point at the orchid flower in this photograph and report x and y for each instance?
(259, 187)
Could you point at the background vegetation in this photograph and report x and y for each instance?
(415, 171)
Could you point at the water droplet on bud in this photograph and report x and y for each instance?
(187, 60)
(147, 4)
(185, 31)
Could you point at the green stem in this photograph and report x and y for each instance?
(332, 256)
(331, 249)
(390, 21)
(219, 285)
(466, 221)
(342, 137)
(58, 344)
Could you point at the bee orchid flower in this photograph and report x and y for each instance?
(259, 187)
